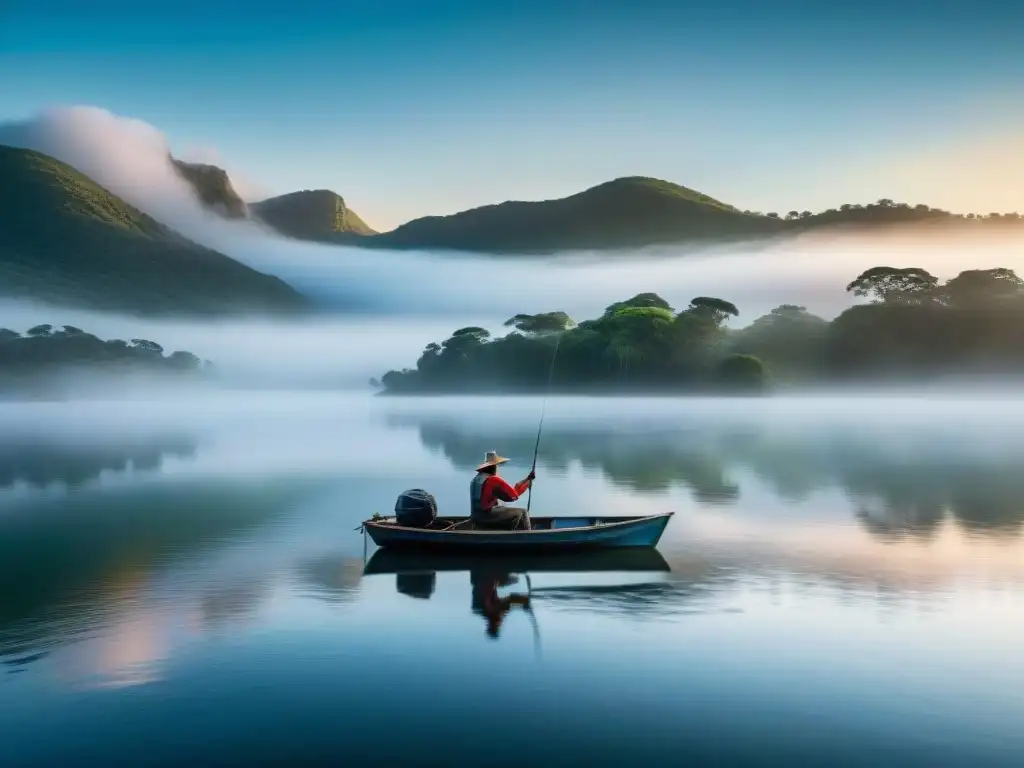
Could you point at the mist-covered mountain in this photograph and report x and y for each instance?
(318, 215)
(636, 211)
(213, 188)
(67, 240)
(625, 213)
(312, 214)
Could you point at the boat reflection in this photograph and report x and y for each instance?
(416, 576)
(595, 560)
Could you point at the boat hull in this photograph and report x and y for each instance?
(549, 534)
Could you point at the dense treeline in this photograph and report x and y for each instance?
(913, 327)
(41, 350)
(39, 460)
(886, 211)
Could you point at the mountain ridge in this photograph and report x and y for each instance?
(213, 187)
(66, 239)
(627, 212)
(624, 212)
(311, 214)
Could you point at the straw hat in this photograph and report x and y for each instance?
(491, 459)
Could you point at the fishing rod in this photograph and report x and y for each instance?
(536, 447)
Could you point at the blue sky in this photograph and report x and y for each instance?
(410, 108)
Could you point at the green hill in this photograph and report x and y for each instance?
(65, 239)
(213, 188)
(627, 212)
(635, 211)
(311, 215)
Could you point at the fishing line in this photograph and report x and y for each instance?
(540, 427)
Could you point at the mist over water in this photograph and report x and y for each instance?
(851, 560)
(333, 350)
(393, 303)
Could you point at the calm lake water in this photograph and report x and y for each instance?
(842, 584)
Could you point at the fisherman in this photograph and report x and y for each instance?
(488, 491)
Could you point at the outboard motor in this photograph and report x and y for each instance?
(415, 508)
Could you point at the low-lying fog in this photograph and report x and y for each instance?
(380, 308)
(275, 434)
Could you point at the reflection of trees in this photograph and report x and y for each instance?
(694, 587)
(228, 605)
(332, 578)
(65, 557)
(898, 494)
(917, 494)
(642, 461)
(39, 461)
(654, 600)
(890, 522)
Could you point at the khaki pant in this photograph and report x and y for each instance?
(504, 518)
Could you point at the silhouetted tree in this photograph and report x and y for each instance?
(891, 284)
(183, 361)
(977, 287)
(717, 308)
(145, 345)
(546, 322)
(789, 339)
(743, 372)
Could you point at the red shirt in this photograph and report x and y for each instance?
(495, 489)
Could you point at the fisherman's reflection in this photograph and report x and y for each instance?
(488, 603)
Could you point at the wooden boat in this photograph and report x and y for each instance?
(548, 534)
(620, 559)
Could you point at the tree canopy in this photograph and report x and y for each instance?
(891, 284)
(546, 322)
(914, 326)
(979, 287)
